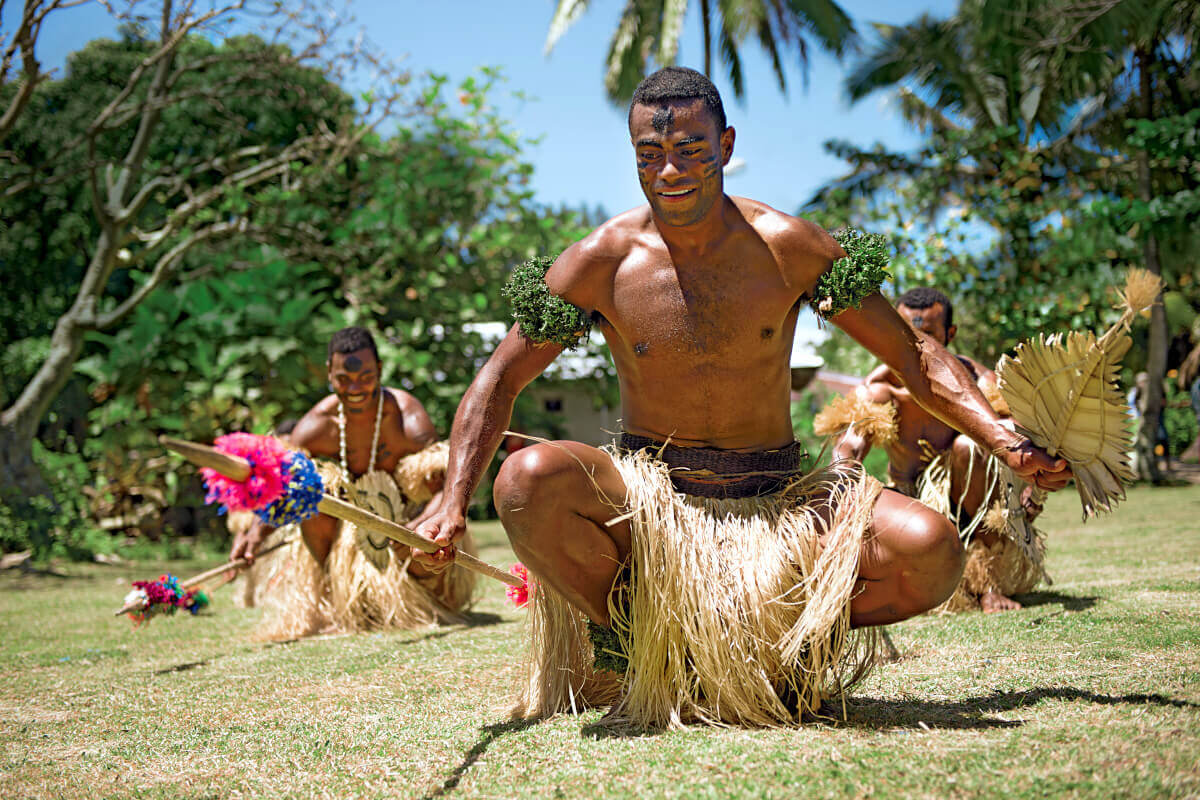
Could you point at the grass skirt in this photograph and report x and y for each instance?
(360, 587)
(735, 614)
(1014, 562)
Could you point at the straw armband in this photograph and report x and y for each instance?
(849, 280)
(544, 318)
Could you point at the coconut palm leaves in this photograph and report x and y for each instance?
(1064, 394)
(651, 29)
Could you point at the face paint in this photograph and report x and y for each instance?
(353, 363)
(663, 119)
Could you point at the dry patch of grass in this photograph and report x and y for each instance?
(1092, 690)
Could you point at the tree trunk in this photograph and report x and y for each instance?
(19, 476)
(1156, 359)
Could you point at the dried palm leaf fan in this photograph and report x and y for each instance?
(1064, 396)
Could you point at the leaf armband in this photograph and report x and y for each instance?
(850, 279)
(544, 318)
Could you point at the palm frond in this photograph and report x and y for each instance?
(565, 15)
(670, 29)
(766, 38)
(828, 22)
(732, 59)
(626, 64)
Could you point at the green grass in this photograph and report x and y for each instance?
(1092, 690)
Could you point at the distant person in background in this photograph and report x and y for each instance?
(375, 446)
(1138, 398)
(1189, 378)
(931, 461)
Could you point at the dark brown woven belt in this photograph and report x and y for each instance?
(713, 472)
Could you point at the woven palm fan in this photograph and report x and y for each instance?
(1064, 395)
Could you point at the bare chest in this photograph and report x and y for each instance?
(360, 449)
(723, 310)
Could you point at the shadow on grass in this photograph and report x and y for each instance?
(184, 667)
(1069, 602)
(865, 712)
(490, 734)
(480, 619)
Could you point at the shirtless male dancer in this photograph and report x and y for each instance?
(697, 295)
(361, 428)
(921, 436)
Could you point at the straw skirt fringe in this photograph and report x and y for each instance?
(1004, 566)
(350, 592)
(736, 614)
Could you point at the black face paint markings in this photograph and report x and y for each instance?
(353, 363)
(663, 119)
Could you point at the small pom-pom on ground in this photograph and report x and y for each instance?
(518, 595)
(266, 482)
(162, 596)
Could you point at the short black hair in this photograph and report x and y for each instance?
(679, 83)
(926, 297)
(347, 340)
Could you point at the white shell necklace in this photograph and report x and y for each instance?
(341, 421)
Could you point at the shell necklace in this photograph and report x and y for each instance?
(341, 421)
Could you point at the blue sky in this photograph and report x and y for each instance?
(583, 156)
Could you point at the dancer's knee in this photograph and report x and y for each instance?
(965, 454)
(933, 541)
(528, 481)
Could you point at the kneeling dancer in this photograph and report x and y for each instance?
(375, 446)
(932, 462)
(720, 577)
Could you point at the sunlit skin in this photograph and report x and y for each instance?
(908, 457)
(404, 428)
(697, 294)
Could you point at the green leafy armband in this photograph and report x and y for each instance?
(544, 318)
(850, 279)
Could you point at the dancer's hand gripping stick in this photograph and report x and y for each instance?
(283, 488)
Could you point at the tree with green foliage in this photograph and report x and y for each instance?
(1036, 130)
(175, 151)
(651, 29)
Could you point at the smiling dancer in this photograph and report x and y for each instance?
(375, 446)
(703, 561)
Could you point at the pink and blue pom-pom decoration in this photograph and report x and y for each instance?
(301, 496)
(163, 596)
(283, 486)
(266, 482)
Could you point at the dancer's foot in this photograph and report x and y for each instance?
(994, 601)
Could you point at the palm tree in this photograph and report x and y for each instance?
(650, 29)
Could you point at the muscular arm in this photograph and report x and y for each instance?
(485, 412)
(940, 383)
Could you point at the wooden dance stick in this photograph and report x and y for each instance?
(239, 470)
(196, 580)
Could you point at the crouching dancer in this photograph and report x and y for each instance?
(375, 447)
(934, 463)
(701, 559)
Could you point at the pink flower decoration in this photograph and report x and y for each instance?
(518, 595)
(266, 483)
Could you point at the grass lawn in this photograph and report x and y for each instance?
(1092, 690)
